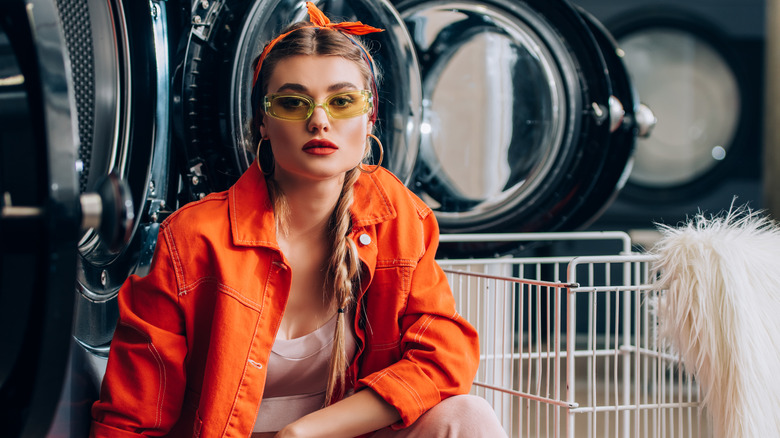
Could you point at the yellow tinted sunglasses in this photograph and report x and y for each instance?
(343, 105)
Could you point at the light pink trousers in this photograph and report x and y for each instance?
(462, 416)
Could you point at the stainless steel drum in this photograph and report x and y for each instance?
(215, 74)
(526, 125)
(119, 55)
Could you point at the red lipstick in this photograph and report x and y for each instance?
(319, 147)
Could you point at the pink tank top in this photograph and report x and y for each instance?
(298, 377)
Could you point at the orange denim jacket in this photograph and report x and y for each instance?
(190, 349)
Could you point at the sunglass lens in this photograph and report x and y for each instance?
(346, 105)
(290, 107)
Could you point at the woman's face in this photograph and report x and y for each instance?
(320, 147)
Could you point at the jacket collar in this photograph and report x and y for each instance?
(251, 214)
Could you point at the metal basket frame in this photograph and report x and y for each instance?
(570, 345)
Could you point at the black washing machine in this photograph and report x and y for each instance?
(85, 142)
(503, 115)
(699, 66)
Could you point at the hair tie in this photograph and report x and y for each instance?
(340, 310)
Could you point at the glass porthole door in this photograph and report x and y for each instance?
(686, 71)
(528, 114)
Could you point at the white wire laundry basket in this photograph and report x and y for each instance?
(569, 344)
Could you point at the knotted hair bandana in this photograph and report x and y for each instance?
(319, 20)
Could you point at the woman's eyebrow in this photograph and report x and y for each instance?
(300, 88)
(292, 87)
(342, 85)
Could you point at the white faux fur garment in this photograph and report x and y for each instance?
(721, 311)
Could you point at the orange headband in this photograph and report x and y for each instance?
(319, 20)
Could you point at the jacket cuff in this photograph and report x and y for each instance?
(410, 400)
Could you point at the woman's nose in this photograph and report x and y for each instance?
(319, 119)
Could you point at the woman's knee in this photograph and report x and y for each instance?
(466, 406)
(464, 415)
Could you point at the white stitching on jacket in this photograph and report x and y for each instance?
(424, 327)
(409, 388)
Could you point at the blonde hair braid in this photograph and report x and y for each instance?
(280, 205)
(343, 278)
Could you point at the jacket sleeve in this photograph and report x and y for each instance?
(143, 387)
(439, 348)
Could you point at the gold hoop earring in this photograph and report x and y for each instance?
(273, 163)
(381, 155)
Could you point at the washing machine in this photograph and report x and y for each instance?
(85, 170)
(503, 115)
(700, 66)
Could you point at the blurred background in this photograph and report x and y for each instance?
(503, 115)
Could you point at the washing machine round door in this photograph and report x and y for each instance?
(39, 226)
(214, 83)
(688, 72)
(519, 114)
(84, 169)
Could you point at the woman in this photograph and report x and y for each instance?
(305, 301)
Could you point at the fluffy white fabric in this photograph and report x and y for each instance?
(721, 311)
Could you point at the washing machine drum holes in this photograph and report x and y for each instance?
(118, 56)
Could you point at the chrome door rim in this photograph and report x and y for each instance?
(586, 90)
